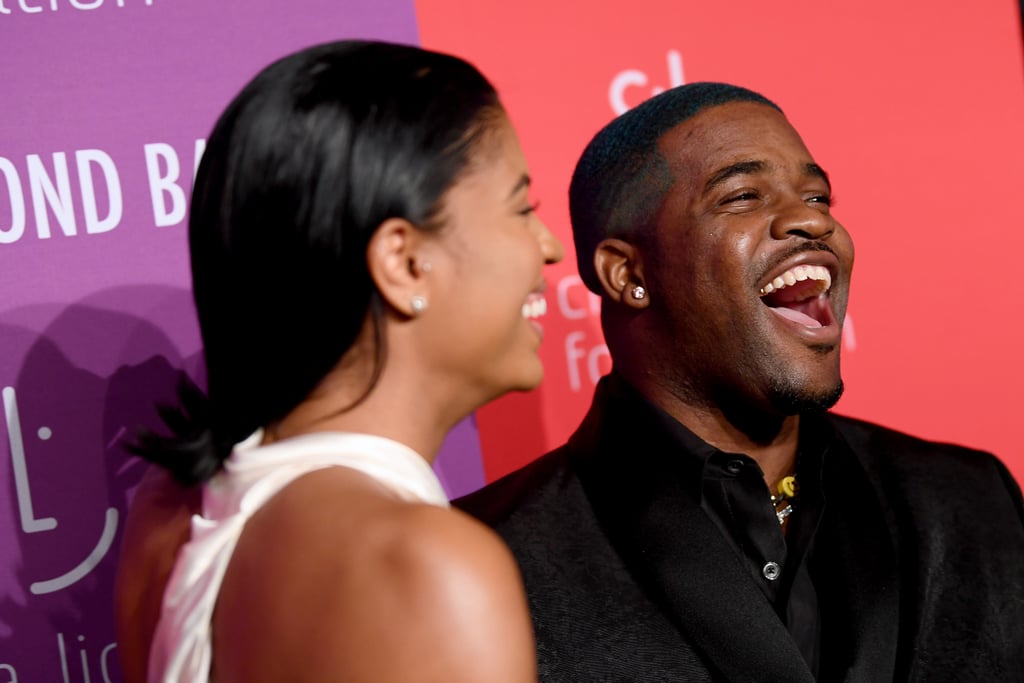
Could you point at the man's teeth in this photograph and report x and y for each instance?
(798, 274)
(535, 308)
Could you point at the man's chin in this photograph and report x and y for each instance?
(789, 400)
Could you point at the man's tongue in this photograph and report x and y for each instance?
(796, 316)
(802, 302)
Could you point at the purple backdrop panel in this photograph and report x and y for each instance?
(102, 113)
(460, 465)
(105, 108)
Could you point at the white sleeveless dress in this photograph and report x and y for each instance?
(181, 648)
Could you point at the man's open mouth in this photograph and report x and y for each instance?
(800, 295)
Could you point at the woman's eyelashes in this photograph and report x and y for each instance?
(531, 208)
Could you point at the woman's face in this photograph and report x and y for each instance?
(487, 293)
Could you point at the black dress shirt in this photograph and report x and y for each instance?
(731, 490)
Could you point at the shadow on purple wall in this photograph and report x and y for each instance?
(77, 380)
(85, 380)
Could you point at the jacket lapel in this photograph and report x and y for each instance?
(674, 550)
(858, 575)
(710, 595)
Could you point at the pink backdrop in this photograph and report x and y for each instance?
(914, 108)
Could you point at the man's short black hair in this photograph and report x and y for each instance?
(622, 178)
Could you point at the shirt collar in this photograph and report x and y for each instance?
(697, 456)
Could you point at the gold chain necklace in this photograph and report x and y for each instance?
(784, 497)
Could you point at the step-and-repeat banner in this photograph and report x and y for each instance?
(914, 108)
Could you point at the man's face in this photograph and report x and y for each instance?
(747, 270)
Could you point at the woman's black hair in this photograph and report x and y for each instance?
(306, 162)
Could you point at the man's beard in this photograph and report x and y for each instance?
(791, 400)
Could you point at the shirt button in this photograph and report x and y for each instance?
(734, 467)
(772, 571)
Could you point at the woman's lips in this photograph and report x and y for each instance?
(535, 307)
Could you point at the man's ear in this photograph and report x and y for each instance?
(620, 271)
(397, 267)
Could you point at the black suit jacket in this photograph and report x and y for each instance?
(918, 562)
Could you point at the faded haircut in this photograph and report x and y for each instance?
(621, 180)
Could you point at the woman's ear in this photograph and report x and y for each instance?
(397, 267)
(620, 271)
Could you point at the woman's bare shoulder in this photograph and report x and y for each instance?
(353, 583)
